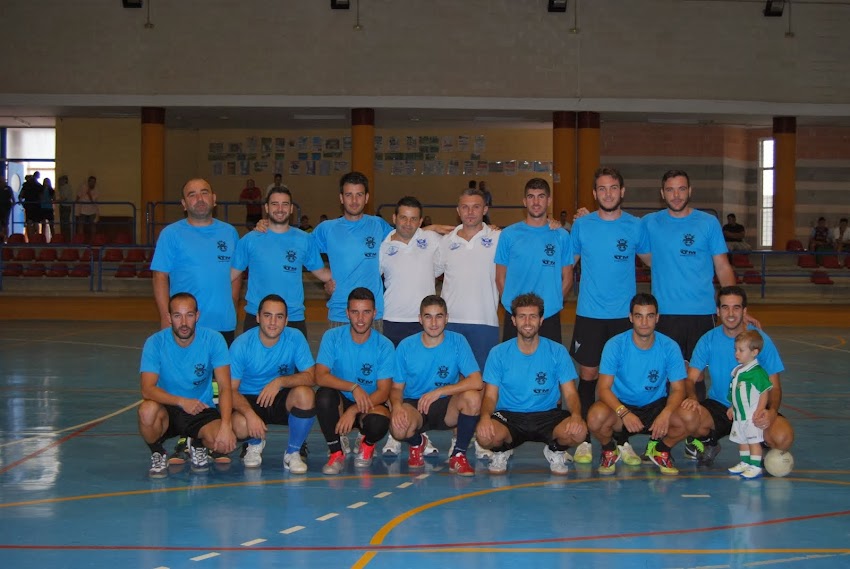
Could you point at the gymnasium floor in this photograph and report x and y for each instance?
(74, 490)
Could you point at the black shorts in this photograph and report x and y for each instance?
(358, 419)
(549, 328)
(182, 424)
(276, 413)
(435, 419)
(590, 335)
(685, 330)
(717, 410)
(536, 426)
(648, 413)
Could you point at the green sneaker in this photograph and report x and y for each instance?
(694, 448)
(628, 454)
(650, 447)
(664, 461)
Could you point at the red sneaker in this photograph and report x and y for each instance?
(460, 466)
(415, 457)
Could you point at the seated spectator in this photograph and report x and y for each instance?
(733, 233)
(819, 239)
(305, 224)
(841, 236)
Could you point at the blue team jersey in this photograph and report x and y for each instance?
(641, 376)
(352, 248)
(534, 257)
(423, 369)
(255, 365)
(198, 261)
(716, 351)
(683, 251)
(364, 363)
(529, 383)
(274, 262)
(608, 250)
(185, 372)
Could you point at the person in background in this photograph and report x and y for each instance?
(733, 233)
(87, 211)
(252, 197)
(66, 206)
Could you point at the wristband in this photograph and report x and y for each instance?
(356, 385)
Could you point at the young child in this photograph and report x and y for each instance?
(748, 394)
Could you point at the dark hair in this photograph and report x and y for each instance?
(182, 296)
(474, 192)
(844, 219)
(675, 174)
(278, 190)
(752, 338)
(433, 300)
(472, 184)
(273, 298)
(731, 215)
(527, 299)
(354, 178)
(643, 299)
(606, 171)
(538, 184)
(409, 201)
(732, 290)
(361, 293)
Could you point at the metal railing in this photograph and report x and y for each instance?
(129, 224)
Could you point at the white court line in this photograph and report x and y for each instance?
(73, 428)
(788, 560)
(696, 495)
(356, 505)
(437, 469)
(293, 529)
(383, 494)
(327, 517)
(89, 344)
(422, 476)
(404, 485)
(205, 556)
(252, 542)
(162, 567)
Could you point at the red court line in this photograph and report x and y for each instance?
(435, 546)
(805, 414)
(56, 443)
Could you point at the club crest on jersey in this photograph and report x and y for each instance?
(688, 240)
(456, 246)
(549, 249)
(486, 242)
(200, 370)
(622, 244)
(222, 246)
(283, 369)
(291, 256)
(370, 242)
(653, 375)
(422, 243)
(540, 378)
(443, 372)
(366, 369)
(392, 250)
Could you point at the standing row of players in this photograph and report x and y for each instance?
(479, 265)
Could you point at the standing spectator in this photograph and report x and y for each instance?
(488, 199)
(88, 210)
(819, 236)
(66, 205)
(7, 201)
(278, 183)
(841, 236)
(48, 194)
(29, 196)
(252, 197)
(305, 224)
(733, 234)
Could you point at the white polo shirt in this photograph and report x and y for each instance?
(409, 270)
(469, 282)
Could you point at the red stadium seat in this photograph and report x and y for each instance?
(741, 261)
(25, 254)
(807, 262)
(752, 277)
(13, 269)
(16, 238)
(81, 270)
(794, 245)
(34, 270)
(125, 271)
(69, 254)
(135, 256)
(46, 255)
(58, 270)
(821, 278)
(112, 255)
(830, 262)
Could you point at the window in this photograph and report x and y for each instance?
(765, 201)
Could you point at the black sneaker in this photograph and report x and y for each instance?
(709, 454)
(693, 448)
(181, 452)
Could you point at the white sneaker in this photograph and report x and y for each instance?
(751, 472)
(254, 455)
(392, 448)
(628, 455)
(499, 462)
(482, 453)
(357, 444)
(346, 444)
(738, 468)
(159, 465)
(292, 462)
(430, 449)
(557, 462)
(584, 453)
(200, 458)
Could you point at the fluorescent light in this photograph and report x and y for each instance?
(318, 117)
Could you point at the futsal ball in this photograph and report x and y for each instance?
(778, 463)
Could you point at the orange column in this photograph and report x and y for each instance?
(363, 150)
(563, 163)
(784, 181)
(153, 165)
(589, 147)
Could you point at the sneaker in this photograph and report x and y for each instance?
(292, 462)
(752, 472)
(664, 462)
(607, 464)
(392, 448)
(499, 462)
(584, 453)
(336, 463)
(557, 462)
(357, 444)
(481, 453)
(219, 457)
(693, 448)
(628, 454)
(430, 449)
(200, 458)
(364, 457)
(346, 444)
(708, 456)
(452, 447)
(253, 456)
(159, 465)
(738, 468)
(414, 456)
(460, 466)
(650, 448)
(181, 452)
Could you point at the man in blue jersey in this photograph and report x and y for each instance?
(275, 260)
(636, 368)
(272, 373)
(194, 255)
(525, 379)
(354, 373)
(437, 386)
(352, 243)
(176, 378)
(606, 242)
(716, 351)
(533, 257)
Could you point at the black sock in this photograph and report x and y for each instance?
(610, 445)
(156, 447)
(621, 437)
(661, 447)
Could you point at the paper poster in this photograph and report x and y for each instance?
(468, 168)
(480, 144)
(379, 144)
(294, 168)
(341, 166)
(251, 144)
(481, 168)
(231, 168)
(278, 167)
(218, 168)
(316, 144)
(454, 168)
(303, 143)
(463, 143)
(411, 143)
(332, 144)
(325, 168)
(244, 167)
(509, 168)
(279, 144)
(346, 143)
(447, 144)
(394, 144)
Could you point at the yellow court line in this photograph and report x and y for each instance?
(616, 550)
(841, 342)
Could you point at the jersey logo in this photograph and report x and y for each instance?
(283, 369)
(455, 246)
(392, 250)
(200, 369)
(577, 345)
(422, 243)
(486, 242)
(549, 249)
(222, 246)
(622, 244)
(370, 242)
(366, 369)
(688, 240)
(540, 378)
(653, 375)
(291, 256)
(443, 372)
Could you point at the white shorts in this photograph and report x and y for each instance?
(745, 432)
